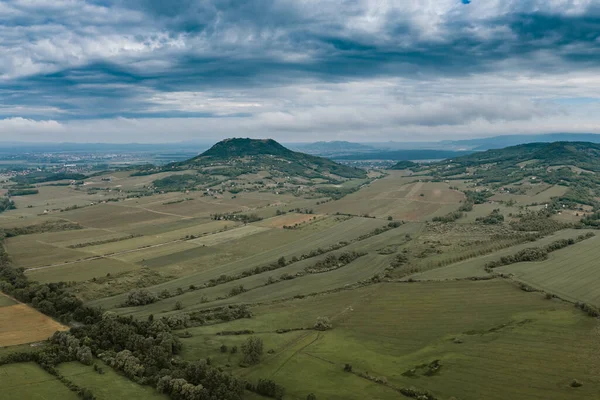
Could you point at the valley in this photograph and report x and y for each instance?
(252, 271)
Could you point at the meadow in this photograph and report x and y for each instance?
(571, 273)
(108, 385)
(29, 381)
(405, 310)
(492, 340)
(401, 196)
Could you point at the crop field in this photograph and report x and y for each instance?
(31, 382)
(490, 337)
(288, 220)
(474, 267)
(81, 271)
(232, 234)
(259, 250)
(22, 324)
(118, 217)
(28, 253)
(571, 273)
(362, 268)
(366, 253)
(56, 198)
(109, 385)
(535, 194)
(399, 196)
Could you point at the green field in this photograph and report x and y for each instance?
(475, 267)
(571, 273)
(109, 385)
(6, 301)
(288, 243)
(509, 340)
(29, 381)
(400, 196)
(411, 303)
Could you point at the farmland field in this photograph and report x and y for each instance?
(109, 385)
(6, 301)
(399, 196)
(571, 273)
(370, 287)
(475, 267)
(31, 382)
(22, 324)
(380, 329)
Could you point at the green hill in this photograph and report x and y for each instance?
(238, 156)
(583, 155)
(571, 164)
(404, 165)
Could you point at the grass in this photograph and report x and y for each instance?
(6, 301)
(399, 196)
(572, 273)
(287, 220)
(474, 267)
(230, 235)
(28, 253)
(293, 242)
(107, 386)
(513, 344)
(81, 271)
(21, 324)
(29, 381)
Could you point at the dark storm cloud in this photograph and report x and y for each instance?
(73, 59)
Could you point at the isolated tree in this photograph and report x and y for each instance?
(252, 349)
(322, 324)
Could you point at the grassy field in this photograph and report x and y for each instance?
(492, 340)
(107, 386)
(6, 301)
(399, 196)
(29, 253)
(572, 273)
(29, 381)
(474, 267)
(81, 271)
(273, 244)
(21, 324)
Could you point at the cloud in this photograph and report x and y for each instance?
(297, 66)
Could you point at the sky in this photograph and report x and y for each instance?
(156, 71)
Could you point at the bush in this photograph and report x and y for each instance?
(322, 324)
(252, 349)
(267, 387)
(140, 297)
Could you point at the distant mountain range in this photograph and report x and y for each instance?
(499, 142)
(413, 151)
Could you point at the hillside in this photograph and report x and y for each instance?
(404, 165)
(583, 155)
(499, 142)
(240, 156)
(573, 165)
